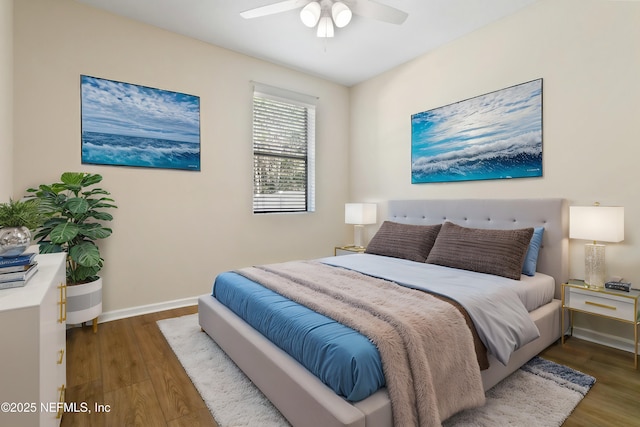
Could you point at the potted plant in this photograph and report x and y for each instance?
(17, 220)
(75, 220)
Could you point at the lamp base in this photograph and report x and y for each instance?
(594, 265)
(358, 232)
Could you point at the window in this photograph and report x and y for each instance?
(283, 151)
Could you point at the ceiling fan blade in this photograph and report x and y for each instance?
(379, 11)
(272, 9)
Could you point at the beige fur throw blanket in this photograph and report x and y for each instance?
(425, 345)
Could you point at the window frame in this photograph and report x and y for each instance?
(295, 101)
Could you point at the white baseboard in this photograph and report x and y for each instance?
(604, 339)
(146, 309)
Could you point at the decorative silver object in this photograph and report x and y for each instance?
(14, 241)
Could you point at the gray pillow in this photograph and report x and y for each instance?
(499, 252)
(407, 241)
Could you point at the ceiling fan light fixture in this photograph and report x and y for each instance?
(341, 14)
(310, 14)
(325, 27)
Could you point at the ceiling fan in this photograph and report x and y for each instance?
(327, 13)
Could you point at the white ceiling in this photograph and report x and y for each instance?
(361, 50)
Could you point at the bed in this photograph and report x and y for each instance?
(304, 400)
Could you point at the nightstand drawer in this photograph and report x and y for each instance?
(602, 304)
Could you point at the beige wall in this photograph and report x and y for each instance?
(174, 230)
(6, 100)
(587, 52)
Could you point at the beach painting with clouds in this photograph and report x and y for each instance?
(493, 136)
(130, 125)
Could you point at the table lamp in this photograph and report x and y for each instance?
(359, 214)
(596, 223)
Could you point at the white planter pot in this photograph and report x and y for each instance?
(84, 302)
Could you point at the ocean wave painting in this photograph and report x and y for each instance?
(130, 125)
(493, 136)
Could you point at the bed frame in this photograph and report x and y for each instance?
(305, 401)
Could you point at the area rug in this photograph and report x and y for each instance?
(541, 393)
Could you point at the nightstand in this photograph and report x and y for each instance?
(609, 303)
(348, 250)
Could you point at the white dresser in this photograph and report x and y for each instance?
(33, 355)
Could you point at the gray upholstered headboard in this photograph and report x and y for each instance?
(552, 214)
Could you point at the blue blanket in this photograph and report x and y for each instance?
(340, 357)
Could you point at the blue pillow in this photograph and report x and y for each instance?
(531, 258)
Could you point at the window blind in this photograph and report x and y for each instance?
(283, 154)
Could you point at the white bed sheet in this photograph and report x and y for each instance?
(535, 291)
(494, 303)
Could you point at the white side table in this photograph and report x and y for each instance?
(617, 305)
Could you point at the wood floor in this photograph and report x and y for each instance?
(129, 369)
(129, 366)
(614, 400)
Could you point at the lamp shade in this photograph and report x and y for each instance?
(310, 14)
(597, 223)
(341, 14)
(360, 213)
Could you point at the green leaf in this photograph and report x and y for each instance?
(53, 222)
(41, 234)
(50, 248)
(72, 178)
(95, 191)
(77, 206)
(85, 254)
(49, 225)
(48, 205)
(102, 216)
(42, 188)
(63, 233)
(96, 233)
(81, 274)
(59, 187)
(90, 179)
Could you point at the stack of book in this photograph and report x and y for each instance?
(16, 271)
